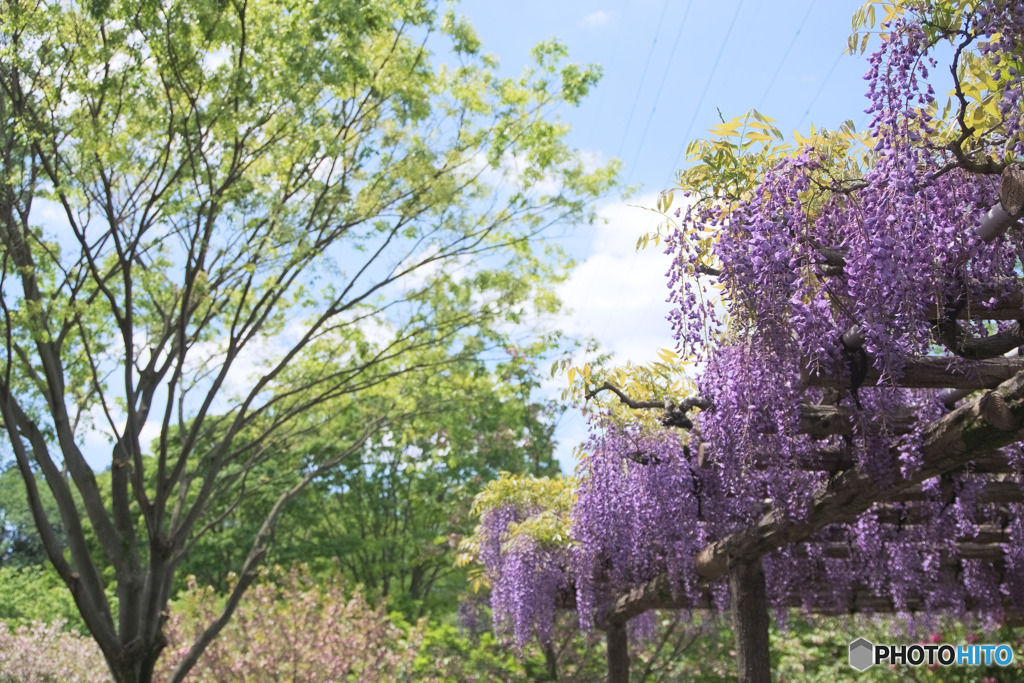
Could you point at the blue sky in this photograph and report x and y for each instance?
(669, 65)
(732, 54)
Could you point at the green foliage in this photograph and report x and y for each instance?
(660, 380)
(390, 517)
(671, 651)
(464, 38)
(944, 19)
(36, 593)
(728, 163)
(548, 501)
(272, 218)
(700, 650)
(450, 655)
(817, 650)
(727, 166)
(277, 631)
(20, 545)
(527, 493)
(545, 506)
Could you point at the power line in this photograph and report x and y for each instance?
(643, 76)
(611, 62)
(657, 96)
(604, 90)
(783, 60)
(689, 129)
(822, 87)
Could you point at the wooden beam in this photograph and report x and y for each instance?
(839, 458)
(927, 372)
(963, 343)
(1011, 190)
(1006, 307)
(991, 492)
(1004, 214)
(658, 594)
(986, 545)
(863, 600)
(910, 515)
(994, 420)
(655, 594)
(821, 421)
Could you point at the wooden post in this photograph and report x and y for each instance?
(750, 620)
(618, 653)
(551, 660)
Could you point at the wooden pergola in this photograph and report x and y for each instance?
(967, 440)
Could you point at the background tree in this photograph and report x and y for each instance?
(20, 543)
(390, 516)
(216, 217)
(30, 589)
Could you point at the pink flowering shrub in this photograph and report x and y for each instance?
(293, 629)
(47, 652)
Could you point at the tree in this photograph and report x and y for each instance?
(20, 544)
(820, 466)
(216, 218)
(397, 517)
(388, 518)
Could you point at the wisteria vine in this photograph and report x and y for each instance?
(808, 260)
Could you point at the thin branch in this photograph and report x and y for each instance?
(956, 146)
(675, 415)
(258, 549)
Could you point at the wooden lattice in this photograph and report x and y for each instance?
(984, 390)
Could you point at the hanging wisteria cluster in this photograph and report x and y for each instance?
(625, 530)
(822, 274)
(626, 521)
(827, 275)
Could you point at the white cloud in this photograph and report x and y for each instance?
(618, 294)
(95, 436)
(51, 215)
(596, 20)
(216, 59)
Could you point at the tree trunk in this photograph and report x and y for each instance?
(135, 662)
(618, 653)
(750, 620)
